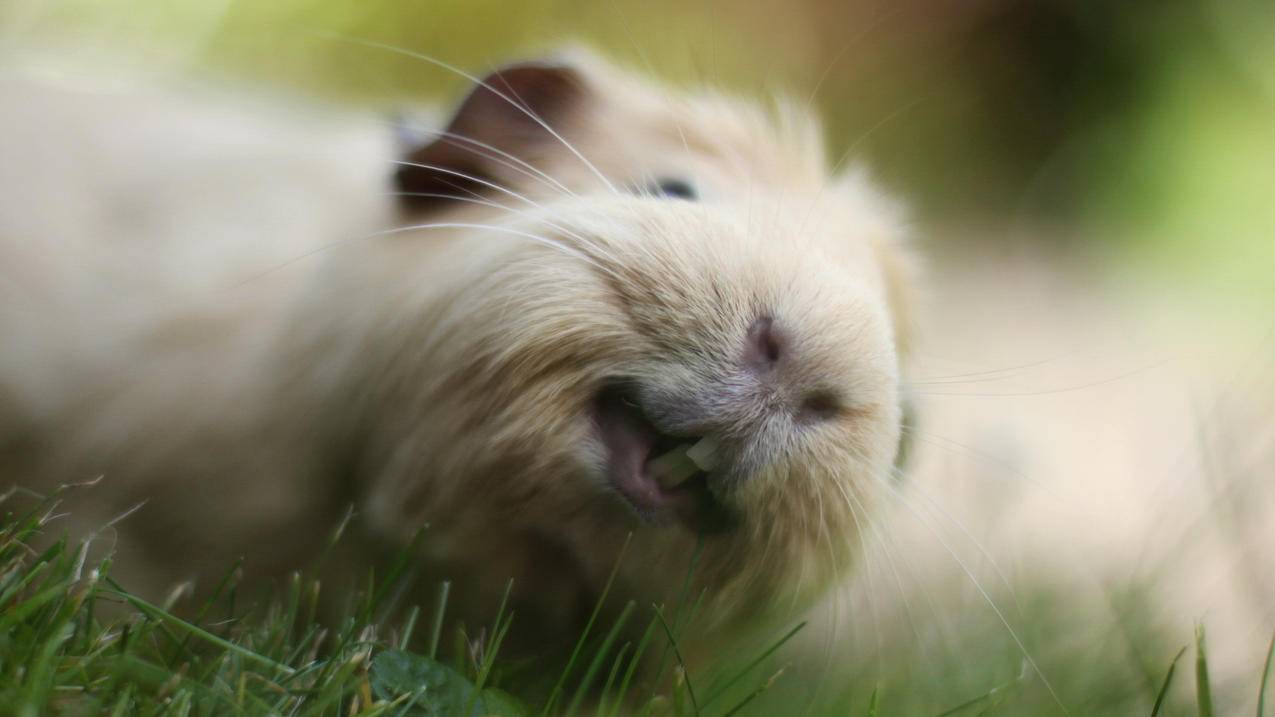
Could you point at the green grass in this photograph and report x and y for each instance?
(75, 642)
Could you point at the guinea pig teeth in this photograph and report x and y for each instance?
(704, 453)
(673, 468)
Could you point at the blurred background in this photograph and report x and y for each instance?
(1142, 133)
(1093, 184)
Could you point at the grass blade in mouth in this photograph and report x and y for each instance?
(704, 453)
(673, 467)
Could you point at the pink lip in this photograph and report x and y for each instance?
(631, 441)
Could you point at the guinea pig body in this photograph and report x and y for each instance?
(579, 279)
(142, 342)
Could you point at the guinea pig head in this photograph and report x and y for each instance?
(665, 325)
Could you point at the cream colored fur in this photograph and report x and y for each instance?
(224, 317)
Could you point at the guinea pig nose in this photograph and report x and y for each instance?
(764, 345)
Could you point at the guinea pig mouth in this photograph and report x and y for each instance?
(661, 476)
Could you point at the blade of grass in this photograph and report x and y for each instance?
(556, 692)
(395, 576)
(409, 704)
(157, 614)
(489, 656)
(122, 704)
(616, 664)
(20, 583)
(633, 664)
(756, 693)
(760, 658)
(409, 627)
(1168, 680)
(677, 653)
(1266, 678)
(493, 642)
(1203, 693)
(989, 696)
(683, 593)
(40, 672)
(439, 610)
(596, 664)
(230, 575)
(33, 604)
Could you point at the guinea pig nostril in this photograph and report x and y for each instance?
(820, 406)
(764, 346)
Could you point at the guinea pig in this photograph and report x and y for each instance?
(594, 326)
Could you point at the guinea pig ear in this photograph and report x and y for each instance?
(509, 111)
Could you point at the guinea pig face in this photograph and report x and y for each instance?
(691, 344)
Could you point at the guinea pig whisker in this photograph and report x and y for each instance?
(646, 60)
(497, 155)
(1050, 391)
(852, 499)
(564, 248)
(509, 192)
(859, 36)
(505, 159)
(877, 592)
(478, 200)
(557, 245)
(907, 107)
(455, 197)
(467, 177)
(826, 535)
(967, 451)
(486, 85)
(988, 372)
(978, 584)
(937, 507)
(830, 635)
(492, 185)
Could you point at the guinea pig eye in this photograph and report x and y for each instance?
(673, 188)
